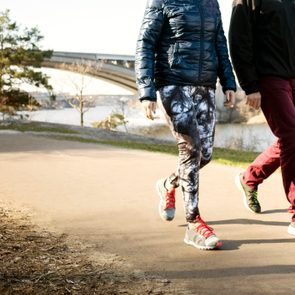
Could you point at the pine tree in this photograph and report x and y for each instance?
(20, 55)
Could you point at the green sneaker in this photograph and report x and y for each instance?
(291, 228)
(201, 236)
(249, 194)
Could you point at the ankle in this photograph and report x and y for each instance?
(168, 186)
(194, 223)
(249, 186)
(191, 225)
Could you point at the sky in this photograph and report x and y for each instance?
(94, 26)
(91, 26)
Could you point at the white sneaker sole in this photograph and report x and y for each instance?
(217, 246)
(240, 188)
(291, 230)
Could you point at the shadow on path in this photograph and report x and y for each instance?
(231, 272)
(245, 221)
(236, 244)
(274, 211)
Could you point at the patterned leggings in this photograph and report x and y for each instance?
(191, 114)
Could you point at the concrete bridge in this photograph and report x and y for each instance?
(117, 69)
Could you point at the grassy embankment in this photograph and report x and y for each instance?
(221, 155)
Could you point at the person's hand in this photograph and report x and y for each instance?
(254, 100)
(230, 99)
(149, 108)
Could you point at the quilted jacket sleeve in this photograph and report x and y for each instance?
(145, 50)
(241, 44)
(224, 71)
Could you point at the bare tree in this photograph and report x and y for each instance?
(79, 101)
(122, 110)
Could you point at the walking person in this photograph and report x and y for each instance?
(181, 51)
(262, 47)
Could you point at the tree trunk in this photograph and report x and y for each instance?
(81, 113)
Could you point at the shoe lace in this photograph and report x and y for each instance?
(170, 198)
(203, 228)
(254, 197)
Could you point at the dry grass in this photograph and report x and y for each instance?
(37, 261)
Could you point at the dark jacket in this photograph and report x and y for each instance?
(262, 40)
(181, 42)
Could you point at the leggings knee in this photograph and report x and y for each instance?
(188, 150)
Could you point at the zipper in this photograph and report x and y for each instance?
(201, 38)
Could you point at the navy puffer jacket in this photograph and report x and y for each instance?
(181, 42)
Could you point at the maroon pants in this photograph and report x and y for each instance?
(278, 106)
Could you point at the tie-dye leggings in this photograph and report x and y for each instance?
(191, 115)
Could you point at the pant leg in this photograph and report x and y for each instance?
(278, 105)
(263, 166)
(190, 112)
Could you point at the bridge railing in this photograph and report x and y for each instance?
(115, 59)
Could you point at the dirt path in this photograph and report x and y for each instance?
(106, 196)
